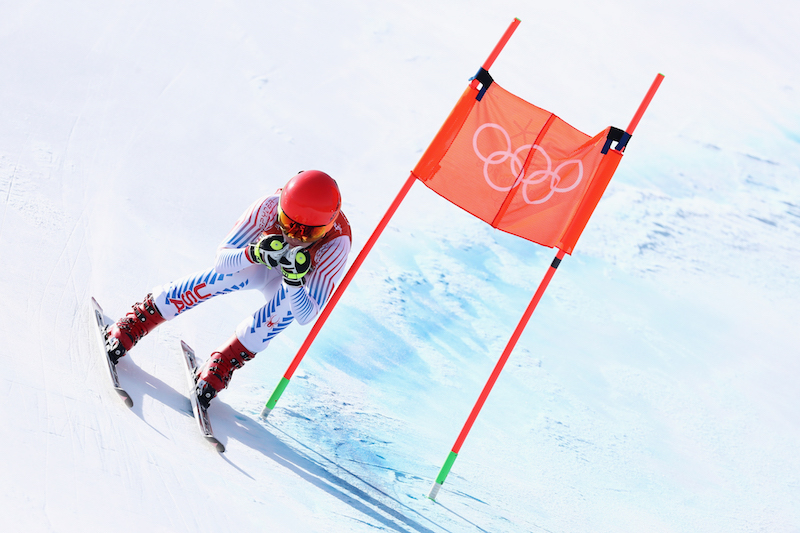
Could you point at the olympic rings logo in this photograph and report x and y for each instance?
(516, 163)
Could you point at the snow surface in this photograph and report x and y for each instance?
(655, 388)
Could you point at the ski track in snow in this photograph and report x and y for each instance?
(653, 390)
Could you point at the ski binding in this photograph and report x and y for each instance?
(102, 333)
(200, 413)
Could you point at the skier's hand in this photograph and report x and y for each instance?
(294, 265)
(268, 250)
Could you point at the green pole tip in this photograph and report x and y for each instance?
(448, 464)
(275, 396)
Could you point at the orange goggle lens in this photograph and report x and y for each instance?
(298, 231)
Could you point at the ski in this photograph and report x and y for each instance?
(200, 413)
(102, 330)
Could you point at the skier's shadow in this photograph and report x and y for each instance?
(139, 383)
(233, 424)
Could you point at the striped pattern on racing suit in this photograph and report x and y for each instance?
(233, 271)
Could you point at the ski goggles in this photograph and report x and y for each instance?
(301, 232)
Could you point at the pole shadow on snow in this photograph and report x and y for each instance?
(232, 424)
(479, 528)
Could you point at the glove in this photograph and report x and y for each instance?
(295, 264)
(268, 250)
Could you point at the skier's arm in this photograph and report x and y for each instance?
(232, 253)
(306, 300)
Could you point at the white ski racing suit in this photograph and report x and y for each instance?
(234, 271)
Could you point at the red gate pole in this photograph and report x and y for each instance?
(501, 44)
(326, 311)
(645, 102)
(451, 458)
(473, 415)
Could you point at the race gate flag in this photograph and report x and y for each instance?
(515, 166)
(518, 167)
(524, 171)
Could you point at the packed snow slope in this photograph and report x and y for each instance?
(655, 388)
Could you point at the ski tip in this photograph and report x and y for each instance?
(125, 397)
(217, 444)
(187, 349)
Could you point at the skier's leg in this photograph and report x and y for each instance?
(167, 301)
(252, 336)
(187, 293)
(257, 331)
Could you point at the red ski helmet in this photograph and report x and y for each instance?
(308, 206)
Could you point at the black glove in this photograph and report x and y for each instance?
(295, 264)
(268, 250)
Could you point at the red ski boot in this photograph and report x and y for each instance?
(140, 320)
(216, 373)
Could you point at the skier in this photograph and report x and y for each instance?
(292, 246)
